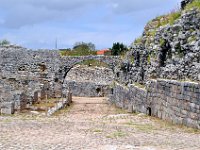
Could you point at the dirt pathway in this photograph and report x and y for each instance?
(93, 124)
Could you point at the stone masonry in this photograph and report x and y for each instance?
(87, 81)
(160, 75)
(28, 76)
(178, 102)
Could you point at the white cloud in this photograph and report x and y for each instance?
(37, 23)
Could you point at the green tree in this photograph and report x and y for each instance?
(89, 45)
(118, 49)
(4, 42)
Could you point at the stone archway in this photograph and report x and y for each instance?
(88, 81)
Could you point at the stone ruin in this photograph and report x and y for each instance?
(28, 76)
(159, 76)
(161, 73)
(92, 81)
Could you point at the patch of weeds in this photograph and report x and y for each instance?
(138, 40)
(166, 125)
(7, 120)
(97, 131)
(132, 60)
(174, 16)
(25, 117)
(194, 4)
(191, 39)
(139, 85)
(162, 42)
(149, 59)
(120, 110)
(165, 19)
(152, 33)
(117, 134)
(142, 127)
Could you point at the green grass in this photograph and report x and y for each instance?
(93, 62)
(194, 4)
(174, 16)
(141, 127)
(164, 20)
(162, 42)
(132, 60)
(149, 59)
(138, 40)
(151, 33)
(97, 131)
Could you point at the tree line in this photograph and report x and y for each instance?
(83, 48)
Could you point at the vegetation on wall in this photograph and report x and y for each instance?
(94, 63)
(138, 40)
(194, 4)
(165, 19)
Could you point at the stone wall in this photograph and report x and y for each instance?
(178, 102)
(88, 89)
(170, 51)
(87, 81)
(27, 76)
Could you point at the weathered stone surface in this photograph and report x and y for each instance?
(7, 108)
(28, 76)
(89, 81)
(155, 101)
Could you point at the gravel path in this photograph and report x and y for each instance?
(93, 124)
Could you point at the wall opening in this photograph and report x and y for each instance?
(117, 74)
(56, 80)
(112, 91)
(98, 90)
(166, 48)
(149, 111)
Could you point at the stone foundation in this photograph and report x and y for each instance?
(178, 102)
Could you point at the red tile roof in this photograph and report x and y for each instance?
(102, 52)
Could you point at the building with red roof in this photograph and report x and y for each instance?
(103, 52)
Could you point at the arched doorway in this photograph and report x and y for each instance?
(89, 78)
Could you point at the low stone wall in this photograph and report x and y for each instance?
(60, 104)
(178, 102)
(88, 89)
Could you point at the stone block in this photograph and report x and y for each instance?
(7, 108)
(130, 108)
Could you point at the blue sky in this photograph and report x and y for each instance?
(37, 23)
